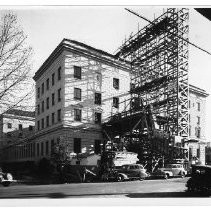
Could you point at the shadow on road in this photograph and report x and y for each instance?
(60, 195)
(165, 195)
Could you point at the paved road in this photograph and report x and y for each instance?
(132, 189)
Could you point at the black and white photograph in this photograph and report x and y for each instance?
(105, 101)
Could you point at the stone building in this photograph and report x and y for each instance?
(197, 114)
(77, 88)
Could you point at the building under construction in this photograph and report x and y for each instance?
(157, 113)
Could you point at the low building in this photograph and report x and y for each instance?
(15, 125)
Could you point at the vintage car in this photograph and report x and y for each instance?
(5, 178)
(132, 171)
(161, 173)
(125, 172)
(200, 179)
(176, 169)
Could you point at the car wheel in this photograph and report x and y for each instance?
(182, 175)
(5, 184)
(120, 178)
(166, 176)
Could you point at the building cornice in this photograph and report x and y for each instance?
(197, 90)
(84, 50)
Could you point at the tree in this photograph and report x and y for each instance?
(15, 64)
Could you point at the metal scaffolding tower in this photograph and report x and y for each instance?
(158, 55)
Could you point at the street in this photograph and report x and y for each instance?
(158, 188)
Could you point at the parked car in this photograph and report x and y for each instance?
(5, 178)
(200, 179)
(132, 171)
(176, 169)
(161, 173)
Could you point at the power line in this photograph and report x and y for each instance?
(140, 16)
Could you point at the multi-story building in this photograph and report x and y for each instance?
(77, 88)
(197, 114)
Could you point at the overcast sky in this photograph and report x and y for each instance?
(106, 28)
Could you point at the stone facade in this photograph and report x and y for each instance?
(197, 113)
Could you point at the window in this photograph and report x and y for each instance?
(198, 106)
(53, 99)
(189, 118)
(198, 132)
(97, 147)
(9, 134)
(30, 127)
(53, 79)
(46, 148)
(43, 88)
(47, 103)
(53, 118)
(42, 149)
(77, 114)
(77, 72)
(59, 94)
(38, 149)
(43, 123)
(42, 106)
(9, 125)
(198, 120)
(189, 130)
(116, 102)
(198, 153)
(38, 92)
(116, 83)
(77, 145)
(20, 127)
(38, 109)
(59, 115)
(59, 73)
(52, 145)
(77, 93)
(189, 104)
(47, 84)
(47, 121)
(98, 117)
(38, 125)
(98, 98)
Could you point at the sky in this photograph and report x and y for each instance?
(105, 28)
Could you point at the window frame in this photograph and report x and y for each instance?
(116, 103)
(98, 98)
(76, 92)
(96, 115)
(116, 83)
(76, 114)
(47, 84)
(59, 73)
(76, 70)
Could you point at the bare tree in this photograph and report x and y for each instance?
(15, 64)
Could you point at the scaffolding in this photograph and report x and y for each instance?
(158, 55)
